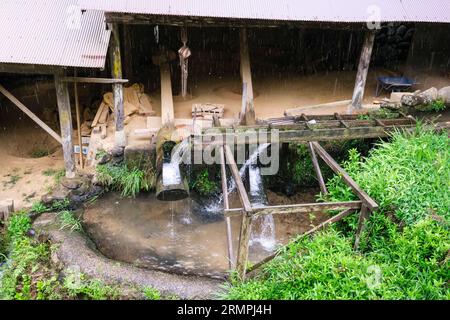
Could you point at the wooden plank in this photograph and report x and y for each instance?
(65, 120)
(248, 114)
(28, 112)
(245, 231)
(324, 224)
(93, 80)
(98, 114)
(323, 187)
(361, 194)
(363, 68)
(297, 208)
(77, 112)
(293, 112)
(243, 196)
(364, 214)
(226, 206)
(116, 73)
(167, 110)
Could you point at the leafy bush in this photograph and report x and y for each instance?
(410, 266)
(409, 176)
(405, 249)
(120, 178)
(203, 183)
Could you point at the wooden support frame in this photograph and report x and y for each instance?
(246, 224)
(248, 213)
(116, 72)
(323, 187)
(248, 111)
(93, 80)
(29, 113)
(361, 194)
(65, 119)
(226, 206)
(363, 68)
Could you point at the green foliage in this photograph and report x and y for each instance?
(69, 221)
(59, 205)
(436, 106)
(78, 286)
(404, 252)
(120, 178)
(203, 184)
(410, 266)
(152, 294)
(28, 273)
(56, 174)
(381, 113)
(409, 176)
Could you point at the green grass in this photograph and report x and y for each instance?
(68, 221)
(29, 274)
(404, 252)
(57, 174)
(120, 178)
(152, 294)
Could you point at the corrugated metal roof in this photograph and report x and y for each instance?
(289, 10)
(52, 32)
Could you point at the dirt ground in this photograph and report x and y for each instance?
(25, 172)
(29, 157)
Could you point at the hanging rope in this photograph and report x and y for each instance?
(184, 53)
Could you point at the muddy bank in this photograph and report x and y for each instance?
(76, 252)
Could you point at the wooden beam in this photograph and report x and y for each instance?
(93, 80)
(323, 187)
(237, 179)
(297, 208)
(28, 68)
(364, 214)
(248, 116)
(29, 113)
(324, 224)
(363, 68)
(116, 72)
(65, 120)
(226, 206)
(361, 194)
(246, 224)
(167, 110)
(77, 112)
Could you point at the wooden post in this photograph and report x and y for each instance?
(365, 212)
(322, 185)
(116, 72)
(167, 111)
(77, 110)
(6, 208)
(65, 120)
(363, 68)
(28, 112)
(226, 206)
(246, 224)
(248, 116)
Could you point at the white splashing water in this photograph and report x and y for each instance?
(263, 227)
(171, 170)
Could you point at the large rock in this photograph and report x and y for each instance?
(444, 95)
(411, 100)
(429, 95)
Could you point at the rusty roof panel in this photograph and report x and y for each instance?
(289, 10)
(52, 32)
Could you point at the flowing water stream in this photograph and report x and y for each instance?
(189, 236)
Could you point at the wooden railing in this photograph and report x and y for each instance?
(365, 206)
